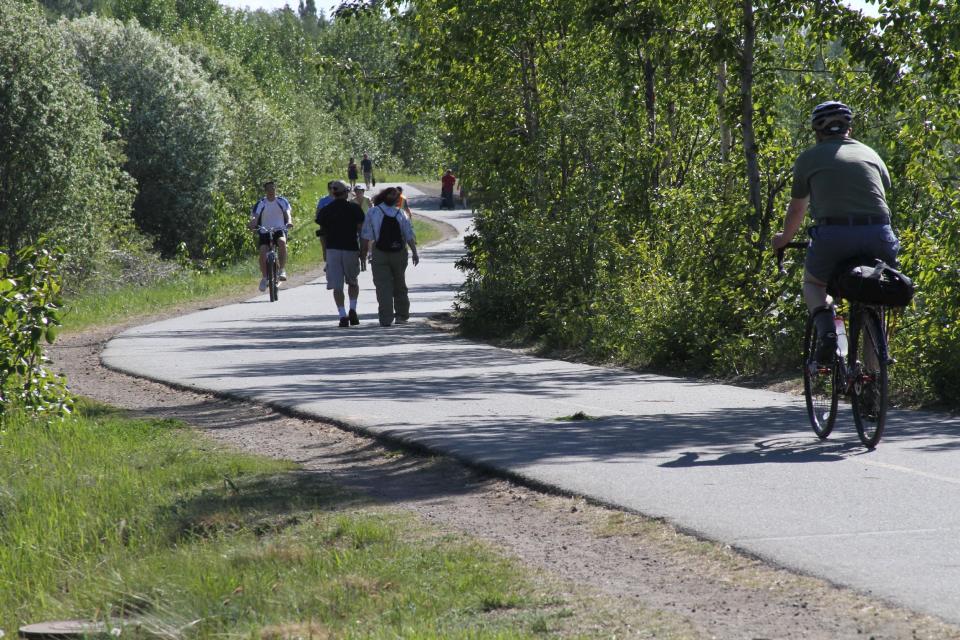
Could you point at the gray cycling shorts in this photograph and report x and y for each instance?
(342, 266)
(832, 245)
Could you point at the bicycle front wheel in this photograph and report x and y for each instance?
(868, 364)
(821, 385)
(274, 278)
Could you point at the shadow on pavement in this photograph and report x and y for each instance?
(410, 364)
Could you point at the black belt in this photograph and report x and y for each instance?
(853, 221)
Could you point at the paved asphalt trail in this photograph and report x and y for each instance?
(732, 464)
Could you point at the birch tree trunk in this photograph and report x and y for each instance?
(746, 107)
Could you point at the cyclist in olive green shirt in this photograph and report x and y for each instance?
(844, 182)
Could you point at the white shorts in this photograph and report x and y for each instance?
(342, 266)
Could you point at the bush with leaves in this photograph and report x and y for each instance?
(689, 116)
(172, 120)
(29, 316)
(58, 176)
(264, 143)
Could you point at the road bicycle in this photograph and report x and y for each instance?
(273, 262)
(858, 370)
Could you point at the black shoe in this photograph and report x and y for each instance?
(826, 348)
(344, 322)
(354, 319)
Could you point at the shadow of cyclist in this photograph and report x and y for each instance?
(773, 451)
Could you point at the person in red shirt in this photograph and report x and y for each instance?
(447, 183)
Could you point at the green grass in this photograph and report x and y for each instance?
(106, 516)
(128, 302)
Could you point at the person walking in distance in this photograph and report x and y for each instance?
(447, 183)
(404, 205)
(366, 165)
(386, 234)
(352, 173)
(271, 212)
(341, 221)
(360, 198)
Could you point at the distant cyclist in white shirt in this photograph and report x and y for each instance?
(272, 212)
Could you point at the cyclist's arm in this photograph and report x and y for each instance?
(796, 211)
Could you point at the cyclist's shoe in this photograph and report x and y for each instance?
(353, 317)
(402, 320)
(826, 348)
(282, 276)
(263, 284)
(344, 322)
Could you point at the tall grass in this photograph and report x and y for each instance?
(84, 493)
(110, 518)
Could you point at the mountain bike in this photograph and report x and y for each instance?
(859, 368)
(273, 262)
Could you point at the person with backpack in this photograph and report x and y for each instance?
(341, 221)
(386, 234)
(271, 212)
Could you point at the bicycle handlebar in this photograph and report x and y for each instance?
(783, 249)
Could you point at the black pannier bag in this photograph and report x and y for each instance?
(871, 281)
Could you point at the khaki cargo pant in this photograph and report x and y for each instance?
(389, 277)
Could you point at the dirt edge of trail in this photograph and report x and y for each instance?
(625, 575)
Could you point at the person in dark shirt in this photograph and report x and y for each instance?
(366, 165)
(340, 222)
(352, 173)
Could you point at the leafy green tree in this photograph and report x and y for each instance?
(264, 143)
(172, 119)
(59, 177)
(630, 160)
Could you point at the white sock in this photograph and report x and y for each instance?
(342, 310)
(353, 304)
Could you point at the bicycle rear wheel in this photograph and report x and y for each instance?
(868, 363)
(274, 277)
(821, 385)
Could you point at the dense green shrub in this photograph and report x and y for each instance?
(58, 176)
(629, 162)
(29, 316)
(172, 120)
(264, 143)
